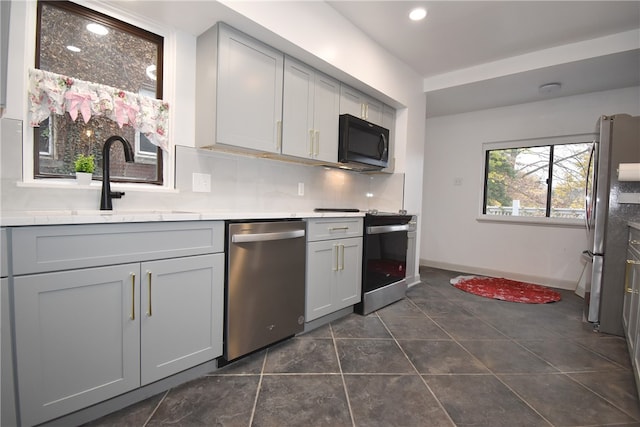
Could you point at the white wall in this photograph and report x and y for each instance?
(451, 235)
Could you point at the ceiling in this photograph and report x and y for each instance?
(463, 35)
(479, 54)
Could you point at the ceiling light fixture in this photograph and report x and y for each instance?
(98, 29)
(549, 88)
(418, 14)
(73, 48)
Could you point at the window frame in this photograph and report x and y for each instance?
(120, 25)
(551, 141)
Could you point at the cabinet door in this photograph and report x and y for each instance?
(77, 339)
(8, 412)
(374, 111)
(322, 268)
(298, 102)
(249, 89)
(326, 118)
(351, 102)
(349, 279)
(181, 314)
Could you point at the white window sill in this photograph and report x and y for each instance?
(70, 184)
(536, 221)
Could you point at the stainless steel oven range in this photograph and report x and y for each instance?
(384, 260)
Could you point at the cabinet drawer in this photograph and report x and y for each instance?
(333, 228)
(4, 264)
(51, 248)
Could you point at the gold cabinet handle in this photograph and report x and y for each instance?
(311, 134)
(627, 289)
(336, 250)
(149, 313)
(338, 228)
(132, 316)
(279, 135)
(317, 141)
(342, 258)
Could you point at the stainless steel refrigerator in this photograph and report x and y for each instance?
(610, 205)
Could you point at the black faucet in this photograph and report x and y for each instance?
(107, 194)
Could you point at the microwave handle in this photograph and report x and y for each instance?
(385, 146)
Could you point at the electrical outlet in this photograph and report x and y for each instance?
(301, 189)
(201, 183)
(457, 181)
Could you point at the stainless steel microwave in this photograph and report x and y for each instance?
(362, 145)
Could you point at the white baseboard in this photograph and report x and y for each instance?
(539, 280)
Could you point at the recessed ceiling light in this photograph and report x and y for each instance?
(98, 29)
(417, 14)
(73, 48)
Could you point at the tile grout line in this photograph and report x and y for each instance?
(255, 400)
(344, 383)
(156, 408)
(483, 364)
(440, 405)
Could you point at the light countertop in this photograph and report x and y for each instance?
(64, 217)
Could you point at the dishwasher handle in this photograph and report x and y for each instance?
(265, 237)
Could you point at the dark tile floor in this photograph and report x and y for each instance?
(441, 357)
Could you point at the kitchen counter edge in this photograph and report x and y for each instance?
(69, 217)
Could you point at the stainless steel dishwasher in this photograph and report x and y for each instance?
(265, 290)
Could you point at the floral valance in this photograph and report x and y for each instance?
(55, 93)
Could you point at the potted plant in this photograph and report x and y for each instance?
(84, 168)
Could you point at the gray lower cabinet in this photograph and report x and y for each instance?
(631, 307)
(334, 266)
(84, 335)
(77, 339)
(181, 314)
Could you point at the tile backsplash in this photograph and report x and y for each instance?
(238, 183)
(245, 183)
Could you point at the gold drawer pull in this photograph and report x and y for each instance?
(132, 316)
(149, 313)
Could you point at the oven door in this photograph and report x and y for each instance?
(385, 255)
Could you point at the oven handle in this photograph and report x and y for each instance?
(378, 229)
(263, 237)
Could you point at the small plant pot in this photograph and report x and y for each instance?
(83, 178)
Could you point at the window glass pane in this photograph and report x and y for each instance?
(120, 56)
(516, 181)
(570, 162)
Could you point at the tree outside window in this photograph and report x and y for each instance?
(537, 181)
(83, 44)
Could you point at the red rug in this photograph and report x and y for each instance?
(505, 289)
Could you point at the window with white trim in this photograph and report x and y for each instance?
(541, 178)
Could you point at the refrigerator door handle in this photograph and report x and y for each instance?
(588, 204)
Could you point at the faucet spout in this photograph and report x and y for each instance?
(107, 195)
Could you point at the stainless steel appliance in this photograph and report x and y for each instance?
(362, 145)
(384, 260)
(607, 214)
(265, 292)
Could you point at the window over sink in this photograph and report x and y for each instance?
(81, 43)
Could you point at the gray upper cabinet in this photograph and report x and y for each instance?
(239, 91)
(360, 105)
(310, 113)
